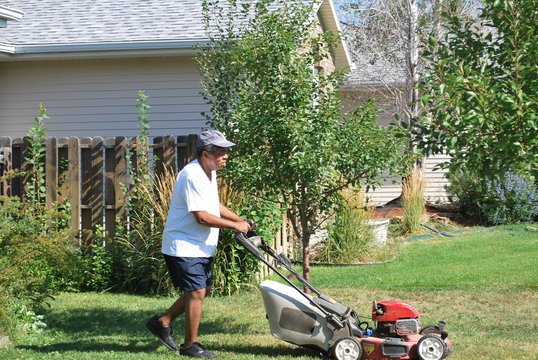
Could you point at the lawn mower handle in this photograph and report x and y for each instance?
(253, 243)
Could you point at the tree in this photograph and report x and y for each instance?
(293, 145)
(386, 38)
(481, 92)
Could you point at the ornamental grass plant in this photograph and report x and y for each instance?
(139, 266)
(413, 205)
(350, 239)
(137, 255)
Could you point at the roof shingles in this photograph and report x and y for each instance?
(99, 21)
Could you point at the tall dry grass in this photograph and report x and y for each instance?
(413, 206)
(138, 250)
(159, 192)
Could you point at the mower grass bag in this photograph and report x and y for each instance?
(321, 323)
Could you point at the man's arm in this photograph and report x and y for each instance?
(229, 214)
(228, 220)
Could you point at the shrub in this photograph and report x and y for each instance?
(512, 199)
(37, 253)
(466, 189)
(138, 262)
(98, 264)
(36, 258)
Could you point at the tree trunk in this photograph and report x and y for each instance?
(306, 259)
(412, 56)
(413, 77)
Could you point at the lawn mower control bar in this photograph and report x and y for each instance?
(253, 243)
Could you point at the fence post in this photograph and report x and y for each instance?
(164, 154)
(158, 166)
(120, 177)
(16, 163)
(96, 192)
(191, 147)
(169, 152)
(109, 191)
(74, 183)
(85, 192)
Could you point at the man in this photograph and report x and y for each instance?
(190, 239)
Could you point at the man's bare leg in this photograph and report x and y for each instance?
(193, 313)
(174, 311)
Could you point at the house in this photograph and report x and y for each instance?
(86, 61)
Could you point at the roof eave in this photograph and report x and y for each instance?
(92, 50)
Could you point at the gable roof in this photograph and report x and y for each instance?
(82, 28)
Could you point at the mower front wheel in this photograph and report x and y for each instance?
(347, 348)
(431, 347)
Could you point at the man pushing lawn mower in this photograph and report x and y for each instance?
(190, 239)
(189, 242)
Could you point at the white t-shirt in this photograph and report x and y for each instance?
(193, 191)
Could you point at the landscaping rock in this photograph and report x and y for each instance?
(439, 219)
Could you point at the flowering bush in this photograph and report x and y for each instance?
(514, 199)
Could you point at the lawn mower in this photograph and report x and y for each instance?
(334, 329)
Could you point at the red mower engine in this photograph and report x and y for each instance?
(398, 335)
(395, 318)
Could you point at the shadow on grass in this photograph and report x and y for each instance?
(87, 329)
(136, 347)
(92, 346)
(87, 322)
(273, 351)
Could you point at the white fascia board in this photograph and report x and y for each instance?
(327, 12)
(163, 48)
(10, 14)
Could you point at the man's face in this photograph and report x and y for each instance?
(218, 158)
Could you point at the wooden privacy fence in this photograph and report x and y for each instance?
(89, 173)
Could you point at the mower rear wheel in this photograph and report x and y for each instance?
(347, 348)
(431, 347)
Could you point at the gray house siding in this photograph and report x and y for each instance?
(436, 181)
(98, 97)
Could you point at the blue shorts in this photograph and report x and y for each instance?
(189, 273)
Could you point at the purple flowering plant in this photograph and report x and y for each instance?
(512, 199)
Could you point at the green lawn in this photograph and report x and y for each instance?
(483, 284)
